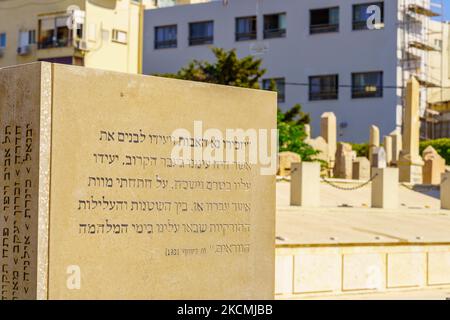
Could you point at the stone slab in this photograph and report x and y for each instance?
(439, 268)
(406, 269)
(317, 272)
(365, 271)
(284, 274)
(116, 215)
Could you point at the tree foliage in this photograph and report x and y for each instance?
(228, 69)
(292, 134)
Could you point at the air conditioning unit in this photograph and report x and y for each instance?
(81, 45)
(23, 50)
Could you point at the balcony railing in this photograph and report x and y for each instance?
(362, 25)
(242, 36)
(323, 95)
(367, 92)
(274, 33)
(201, 40)
(54, 43)
(323, 28)
(164, 44)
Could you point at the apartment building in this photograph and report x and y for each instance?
(324, 54)
(437, 118)
(103, 34)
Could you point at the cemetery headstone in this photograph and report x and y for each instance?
(108, 192)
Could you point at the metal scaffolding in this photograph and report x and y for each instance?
(422, 30)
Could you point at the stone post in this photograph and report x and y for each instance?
(374, 141)
(445, 191)
(385, 188)
(410, 162)
(434, 166)
(388, 148)
(396, 146)
(343, 161)
(305, 184)
(361, 169)
(328, 131)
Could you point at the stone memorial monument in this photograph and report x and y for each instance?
(379, 158)
(434, 166)
(396, 138)
(97, 205)
(410, 163)
(344, 161)
(361, 169)
(328, 130)
(387, 144)
(374, 141)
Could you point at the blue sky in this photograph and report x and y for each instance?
(447, 9)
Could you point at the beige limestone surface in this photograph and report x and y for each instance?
(305, 184)
(125, 219)
(418, 218)
(405, 294)
(385, 188)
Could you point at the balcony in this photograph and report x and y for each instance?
(243, 36)
(200, 41)
(323, 28)
(53, 42)
(274, 33)
(164, 44)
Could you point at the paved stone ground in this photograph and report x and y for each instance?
(346, 218)
(436, 294)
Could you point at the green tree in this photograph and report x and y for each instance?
(292, 134)
(228, 69)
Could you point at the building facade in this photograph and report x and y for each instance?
(103, 34)
(324, 54)
(437, 117)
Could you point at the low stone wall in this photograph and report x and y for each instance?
(303, 271)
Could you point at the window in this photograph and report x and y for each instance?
(201, 33)
(280, 86)
(367, 85)
(246, 28)
(438, 44)
(324, 20)
(361, 16)
(3, 40)
(27, 37)
(119, 36)
(275, 26)
(166, 37)
(54, 33)
(323, 87)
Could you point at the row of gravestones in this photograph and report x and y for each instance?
(401, 151)
(345, 163)
(325, 143)
(385, 193)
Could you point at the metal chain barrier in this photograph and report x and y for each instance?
(349, 188)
